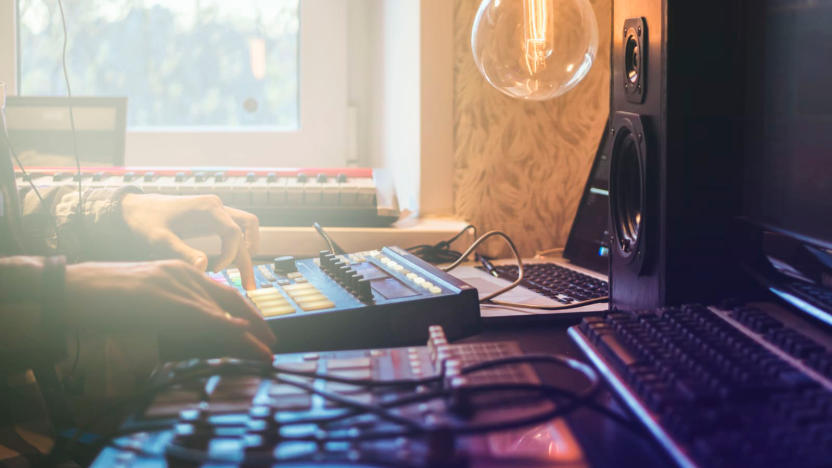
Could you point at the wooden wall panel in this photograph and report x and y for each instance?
(520, 166)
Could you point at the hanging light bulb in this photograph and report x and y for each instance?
(534, 49)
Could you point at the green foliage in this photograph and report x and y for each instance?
(181, 63)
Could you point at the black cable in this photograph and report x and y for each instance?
(441, 251)
(333, 246)
(72, 118)
(346, 401)
(577, 400)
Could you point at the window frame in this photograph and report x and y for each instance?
(319, 141)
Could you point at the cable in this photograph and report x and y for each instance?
(72, 119)
(334, 248)
(411, 428)
(441, 251)
(514, 251)
(573, 305)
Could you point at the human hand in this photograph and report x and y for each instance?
(163, 220)
(170, 298)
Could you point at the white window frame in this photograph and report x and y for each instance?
(321, 137)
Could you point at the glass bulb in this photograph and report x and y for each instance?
(534, 49)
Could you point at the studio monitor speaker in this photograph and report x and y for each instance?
(676, 96)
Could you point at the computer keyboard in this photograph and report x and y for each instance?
(716, 387)
(556, 282)
(296, 413)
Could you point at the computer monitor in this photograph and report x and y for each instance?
(787, 169)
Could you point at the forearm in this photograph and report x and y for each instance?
(99, 234)
(23, 342)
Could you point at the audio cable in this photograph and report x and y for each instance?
(489, 299)
(410, 428)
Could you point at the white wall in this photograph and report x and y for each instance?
(409, 98)
(8, 72)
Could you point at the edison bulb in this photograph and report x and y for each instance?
(534, 49)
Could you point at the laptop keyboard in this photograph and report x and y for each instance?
(556, 282)
(713, 393)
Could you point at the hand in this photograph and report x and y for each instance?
(163, 220)
(169, 297)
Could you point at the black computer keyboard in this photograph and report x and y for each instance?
(719, 388)
(229, 419)
(556, 282)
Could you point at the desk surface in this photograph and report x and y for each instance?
(605, 442)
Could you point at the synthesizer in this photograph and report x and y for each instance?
(378, 298)
(416, 406)
(279, 197)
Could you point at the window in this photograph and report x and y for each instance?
(209, 82)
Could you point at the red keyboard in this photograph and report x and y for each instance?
(278, 196)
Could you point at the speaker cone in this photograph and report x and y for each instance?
(627, 192)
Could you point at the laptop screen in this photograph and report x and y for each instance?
(588, 243)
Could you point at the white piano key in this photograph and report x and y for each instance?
(277, 191)
(294, 191)
(348, 193)
(312, 192)
(168, 185)
(223, 189)
(330, 192)
(258, 192)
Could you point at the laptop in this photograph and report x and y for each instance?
(578, 275)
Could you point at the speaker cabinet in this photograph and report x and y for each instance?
(676, 99)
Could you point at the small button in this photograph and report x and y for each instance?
(284, 390)
(354, 374)
(435, 290)
(350, 363)
(308, 366)
(316, 305)
(294, 402)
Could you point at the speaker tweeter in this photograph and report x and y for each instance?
(635, 52)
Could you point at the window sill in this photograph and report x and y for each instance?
(305, 241)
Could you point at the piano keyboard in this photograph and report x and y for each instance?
(279, 197)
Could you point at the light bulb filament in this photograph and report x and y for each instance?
(536, 29)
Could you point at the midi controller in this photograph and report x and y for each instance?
(279, 197)
(378, 298)
(419, 406)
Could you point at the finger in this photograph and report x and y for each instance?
(231, 235)
(243, 262)
(230, 301)
(169, 243)
(250, 225)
